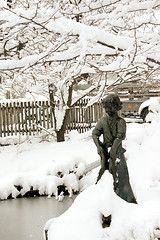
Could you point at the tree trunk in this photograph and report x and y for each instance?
(60, 133)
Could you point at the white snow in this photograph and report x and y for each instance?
(64, 25)
(139, 221)
(39, 163)
(55, 36)
(3, 4)
(153, 104)
(44, 165)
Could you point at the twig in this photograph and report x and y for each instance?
(39, 126)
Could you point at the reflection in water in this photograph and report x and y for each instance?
(24, 218)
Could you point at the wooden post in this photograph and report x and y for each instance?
(26, 118)
(77, 116)
(18, 118)
(43, 113)
(1, 120)
(11, 117)
(40, 118)
(36, 112)
(32, 118)
(47, 113)
(15, 118)
(29, 117)
(7, 119)
(22, 117)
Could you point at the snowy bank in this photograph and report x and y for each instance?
(44, 166)
(83, 220)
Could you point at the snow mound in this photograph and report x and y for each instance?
(46, 168)
(83, 220)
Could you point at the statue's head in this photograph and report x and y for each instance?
(113, 102)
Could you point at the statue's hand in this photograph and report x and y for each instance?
(112, 161)
(113, 154)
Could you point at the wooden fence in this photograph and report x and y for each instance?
(25, 118)
(82, 118)
(30, 118)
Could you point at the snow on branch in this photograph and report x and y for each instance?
(122, 8)
(69, 26)
(82, 94)
(99, 94)
(74, 52)
(26, 62)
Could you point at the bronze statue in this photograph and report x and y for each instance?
(113, 129)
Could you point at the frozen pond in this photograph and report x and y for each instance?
(24, 218)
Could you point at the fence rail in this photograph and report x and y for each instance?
(30, 118)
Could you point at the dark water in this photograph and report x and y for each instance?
(24, 218)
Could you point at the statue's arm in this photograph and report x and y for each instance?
(113, 151)
(96, 133)
(121, 133)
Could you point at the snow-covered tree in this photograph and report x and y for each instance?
(49, 46)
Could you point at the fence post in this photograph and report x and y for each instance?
(7, 119)
(26, 121)
(1, 134)
(22, 117)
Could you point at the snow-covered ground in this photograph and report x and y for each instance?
(44, 165)
(141, 221)
(40, 163)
